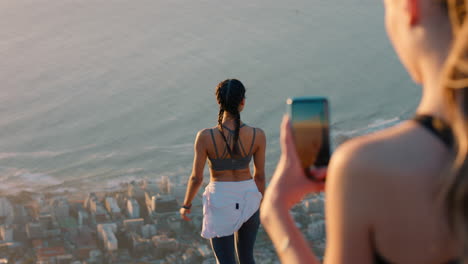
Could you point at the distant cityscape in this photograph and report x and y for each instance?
(139, 223)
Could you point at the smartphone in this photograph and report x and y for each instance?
(311, 130)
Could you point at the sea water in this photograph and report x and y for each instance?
(94, 93)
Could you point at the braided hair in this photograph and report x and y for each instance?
(229, 94)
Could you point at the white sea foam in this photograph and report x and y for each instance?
(15, 180)
(104, 156)
(65, 189)
(376, 125)
(41, 154)
(180, 149)
(38, 154)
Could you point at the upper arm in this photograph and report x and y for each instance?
(348, 207)
(200, 154)
(259, 154)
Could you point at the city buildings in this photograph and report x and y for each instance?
(138, 224)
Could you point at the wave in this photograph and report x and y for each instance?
(376, 125)
(42, 154)
(38, 154)
(185, 148)
(15, 180)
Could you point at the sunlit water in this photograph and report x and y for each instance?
(98, 92)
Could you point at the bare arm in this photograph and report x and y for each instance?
(196, 178)
(347, 213)
(290, 244)
(287, 187)
(259, 162)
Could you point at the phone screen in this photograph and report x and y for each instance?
(310, 123)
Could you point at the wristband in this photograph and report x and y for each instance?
(187, 206)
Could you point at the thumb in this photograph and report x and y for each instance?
(288, 146)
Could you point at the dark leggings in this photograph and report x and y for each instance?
(226, 250)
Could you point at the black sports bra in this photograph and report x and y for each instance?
(378, 259)
(443, 132)
(222, 162)
(437, 127)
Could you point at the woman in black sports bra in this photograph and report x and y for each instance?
(399, 195)
(232, 199)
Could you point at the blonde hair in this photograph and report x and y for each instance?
(455, 188)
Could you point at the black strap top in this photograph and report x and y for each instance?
(437, 127)
(443, 132)
(221, 162)
(380, 260)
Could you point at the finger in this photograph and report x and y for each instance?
(181, 214)
(187, 212)
(287, 139)
(319, 174)
(185, 217)
(284, 137)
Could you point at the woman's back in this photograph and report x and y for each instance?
(400, 171)
(232, 199)
(224, 167)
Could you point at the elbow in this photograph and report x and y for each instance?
(266, 209)
(196, 179)
(272, 209)
(265, 215)
(259, 176)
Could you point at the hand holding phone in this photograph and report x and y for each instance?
(289, 184)
(310, 125)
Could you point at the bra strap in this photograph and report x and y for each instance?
(253, 141)
(437, 127)
(214, 143)
(230, 130)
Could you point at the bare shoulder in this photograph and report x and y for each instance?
(373, 156)
(260, 136)
(260, 132)
(257, 129)
(203, 134)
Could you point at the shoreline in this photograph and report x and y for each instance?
(61, 219)
(78, 185)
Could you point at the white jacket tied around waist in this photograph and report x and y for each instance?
(227, 205)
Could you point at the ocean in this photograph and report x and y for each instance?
(94, 93)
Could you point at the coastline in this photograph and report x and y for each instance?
(110, 95)
(58, 223)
